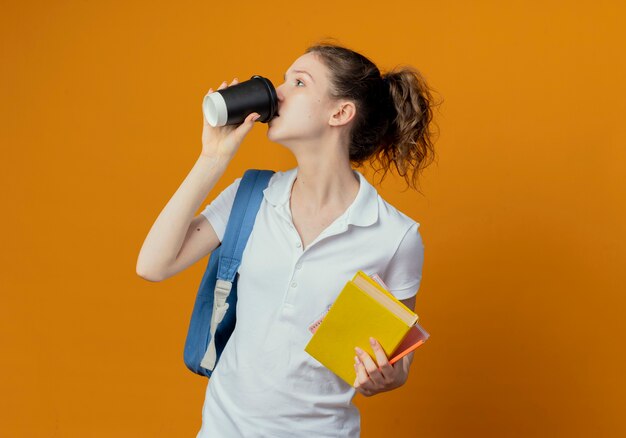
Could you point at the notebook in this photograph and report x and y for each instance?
(362, 309)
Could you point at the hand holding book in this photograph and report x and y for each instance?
(373, 378)
(364, 309)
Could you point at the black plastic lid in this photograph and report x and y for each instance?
(273, 97)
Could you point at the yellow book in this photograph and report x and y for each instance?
(362, 309)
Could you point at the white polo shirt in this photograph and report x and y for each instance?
(265, 384)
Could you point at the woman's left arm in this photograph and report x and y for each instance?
(373, 378)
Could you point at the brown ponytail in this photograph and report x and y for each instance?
(393, 124)
(409, 146)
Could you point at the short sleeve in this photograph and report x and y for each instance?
(218, 211)
(404, 272)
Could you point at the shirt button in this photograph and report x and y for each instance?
(294, 284)
(299, 265)
(298, 244)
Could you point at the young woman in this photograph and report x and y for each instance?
(318, 224)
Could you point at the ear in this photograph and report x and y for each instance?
(344, 112)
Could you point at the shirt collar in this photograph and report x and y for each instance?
(362, 212)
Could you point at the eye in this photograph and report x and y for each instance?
(298, 80)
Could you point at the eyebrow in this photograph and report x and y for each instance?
(301, 71)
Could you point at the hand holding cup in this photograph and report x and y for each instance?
(222, 142)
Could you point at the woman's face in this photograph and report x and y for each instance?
(304, 106)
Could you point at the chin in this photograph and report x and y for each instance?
(275, 137)
(273, 134)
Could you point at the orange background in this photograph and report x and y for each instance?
(523, 217)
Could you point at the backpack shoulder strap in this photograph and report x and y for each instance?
(241, 220)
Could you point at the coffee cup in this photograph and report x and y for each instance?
(231, 105)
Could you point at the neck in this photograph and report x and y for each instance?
(325, 180)
(324, 185)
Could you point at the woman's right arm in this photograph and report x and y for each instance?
(177, 239)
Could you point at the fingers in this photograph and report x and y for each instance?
(246, 125)
(381, 359)
(223, 85)
(368, 365)
(380, 372)
(253, 117)
(361, 382)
